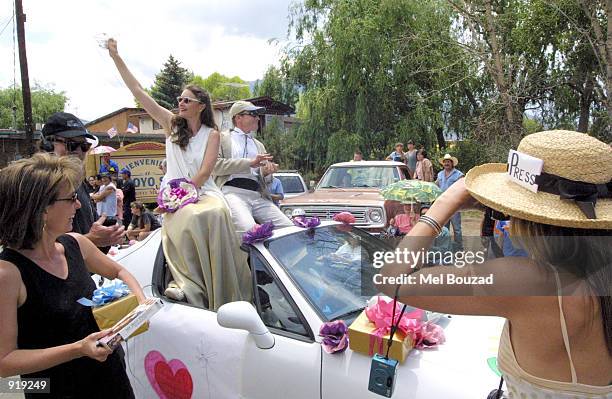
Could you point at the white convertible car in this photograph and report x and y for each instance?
(272, 349)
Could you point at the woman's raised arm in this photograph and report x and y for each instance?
(157, 112)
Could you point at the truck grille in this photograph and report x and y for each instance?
(327, 212)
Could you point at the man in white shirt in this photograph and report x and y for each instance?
(106, 199)
(244, 172)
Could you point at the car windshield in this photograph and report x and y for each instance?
(291, 184)
(329, 265)
(355, 177)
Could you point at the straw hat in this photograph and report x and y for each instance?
(448, 157)
(573, 156)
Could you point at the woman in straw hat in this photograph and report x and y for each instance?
(557, 340)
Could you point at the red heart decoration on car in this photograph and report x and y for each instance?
(170, 380)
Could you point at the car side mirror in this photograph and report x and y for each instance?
(242, 315)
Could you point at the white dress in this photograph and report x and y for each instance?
(199, 240)
(186, 163)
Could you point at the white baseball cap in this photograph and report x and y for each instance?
(244, 106)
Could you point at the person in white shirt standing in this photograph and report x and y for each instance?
(106, 199)
(244, 172)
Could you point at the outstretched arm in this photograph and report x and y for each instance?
(157, 112)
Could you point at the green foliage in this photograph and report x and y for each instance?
(375, 72)
(280, 143)
(169, 83)
(341, 146)
(222, 87)
(376, 69)
(274, 84)
(45, 102)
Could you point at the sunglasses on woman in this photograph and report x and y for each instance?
(73, 198)
(72, 146)
(187, 100)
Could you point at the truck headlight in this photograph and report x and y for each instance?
(287, 212)
(375, 215)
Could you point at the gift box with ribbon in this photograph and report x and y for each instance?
(110, 303)
(369, 333)
(108, 315)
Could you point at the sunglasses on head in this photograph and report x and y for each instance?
(72, 146)
(187, 100)
(73, 198)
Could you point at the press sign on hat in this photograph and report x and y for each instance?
(523, 169)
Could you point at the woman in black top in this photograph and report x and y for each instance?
(44, 332)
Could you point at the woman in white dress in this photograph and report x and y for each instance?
(199, 239)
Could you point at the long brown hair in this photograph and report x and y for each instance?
(179, 126)
(27, 188)
(585, 253)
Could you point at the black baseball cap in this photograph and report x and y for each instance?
(66, 125)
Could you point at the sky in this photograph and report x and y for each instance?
(232, 37)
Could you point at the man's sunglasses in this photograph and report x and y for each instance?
(254, 114)
(72, 146)
(187, 100)
(73, 198)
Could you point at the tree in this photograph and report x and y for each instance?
(45, 102)
(223, 88)
(374, 72)
(280, 143)
(276, 85)
(169, 83)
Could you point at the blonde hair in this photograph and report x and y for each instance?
(585, 253)
(27, 188)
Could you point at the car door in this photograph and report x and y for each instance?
(186, 354)
(292, 367)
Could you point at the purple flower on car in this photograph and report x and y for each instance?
(335, 336)
(307, 223)
(258, 233)
(176, 194)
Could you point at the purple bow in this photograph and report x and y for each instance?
(335, 337)
(258, 233)
(307, 223)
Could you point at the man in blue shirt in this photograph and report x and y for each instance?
(108, 165)
(446, 178)
(398, 154)
(276, 191)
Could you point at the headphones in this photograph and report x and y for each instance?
(46, 145)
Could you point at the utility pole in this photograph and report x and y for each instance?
(25, 79)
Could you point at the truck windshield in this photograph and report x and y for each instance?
(359, 177)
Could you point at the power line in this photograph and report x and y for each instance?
(5, 25)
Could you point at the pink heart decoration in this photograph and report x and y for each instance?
(170, 380)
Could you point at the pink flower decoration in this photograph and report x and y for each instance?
(428, 336)
(344, 217)
(335, 336)
(424, 334)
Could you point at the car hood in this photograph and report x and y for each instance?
(336, 196)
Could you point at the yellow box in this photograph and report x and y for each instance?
(363, 340)
(108, 315)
